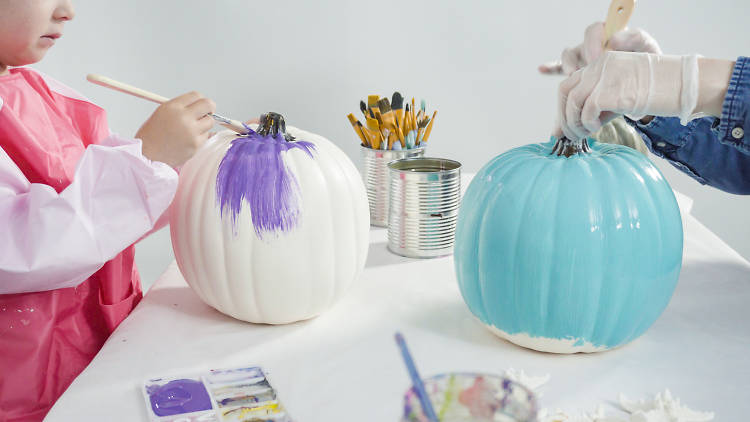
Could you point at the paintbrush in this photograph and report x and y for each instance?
(407, 119)
(384, 130)
(407, 128)
(372, 102)
(429, 127)
(104, 81)
(414, 128)
(363, 131)
(363, 107)
(397, 103)
(373, 137)
(373, 126)
(384, 107)
(400, 134)
(356, 125)
(381, 124)
(421, 126)
(424, 399)
(389, 119)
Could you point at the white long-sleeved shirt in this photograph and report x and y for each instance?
(51, 240)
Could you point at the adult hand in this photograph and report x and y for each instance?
(637, 84)
(629, 39)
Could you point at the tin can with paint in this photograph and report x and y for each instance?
(460, 396)
(425, 195)
(375, 176)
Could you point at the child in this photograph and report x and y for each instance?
(672, 92)
(73, 200)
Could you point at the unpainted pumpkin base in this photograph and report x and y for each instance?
(546, 344)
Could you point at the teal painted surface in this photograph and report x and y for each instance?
(587, 247)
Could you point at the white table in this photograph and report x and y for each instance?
(345, 366)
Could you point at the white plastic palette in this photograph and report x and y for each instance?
(223, 395)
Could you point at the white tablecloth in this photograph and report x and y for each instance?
(345, 366)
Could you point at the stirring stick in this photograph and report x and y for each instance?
(150, 96)
(424, 399)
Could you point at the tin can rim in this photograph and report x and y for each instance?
(439, 165)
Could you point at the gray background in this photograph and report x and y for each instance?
(313, 61)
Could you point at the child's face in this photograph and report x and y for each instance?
(28, 28)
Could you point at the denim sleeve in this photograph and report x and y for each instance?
(735, 115)
(696, 150)
(715, 152)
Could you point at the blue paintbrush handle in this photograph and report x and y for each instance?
(424, 399)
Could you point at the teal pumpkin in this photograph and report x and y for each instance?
(568, 254)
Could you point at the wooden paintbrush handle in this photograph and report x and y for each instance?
(150, 96)
(429, 127)
(617, 17)
(125, 88)
(354, 122)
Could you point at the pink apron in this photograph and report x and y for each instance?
(47, 338)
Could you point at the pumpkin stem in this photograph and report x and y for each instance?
(566, 147)
(273, 124)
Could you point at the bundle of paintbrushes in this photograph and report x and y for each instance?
(392, 125)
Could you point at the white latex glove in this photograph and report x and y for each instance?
(636, 84)
(629, 39)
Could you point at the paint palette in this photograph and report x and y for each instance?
(224, 395)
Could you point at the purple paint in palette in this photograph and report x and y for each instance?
(225, 395)
(178, 396)
(253, 171)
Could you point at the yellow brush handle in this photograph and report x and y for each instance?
(150, 96)
(617, 17)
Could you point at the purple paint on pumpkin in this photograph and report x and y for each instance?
(253, 171)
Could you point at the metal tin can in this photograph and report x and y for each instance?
(375, 177)
(425, 195)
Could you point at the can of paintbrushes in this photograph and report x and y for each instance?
(375, 175)
(425, 195)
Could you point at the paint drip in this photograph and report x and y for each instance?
(253, 170)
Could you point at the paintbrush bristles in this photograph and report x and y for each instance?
(372, 100)
(397, 101)
(384, 106)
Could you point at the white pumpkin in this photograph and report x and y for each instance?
(619, 132)
(272, 276)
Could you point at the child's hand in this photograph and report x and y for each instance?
(177, 129)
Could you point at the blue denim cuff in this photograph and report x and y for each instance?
(662, 132)
(735, 114)
(664, 136)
